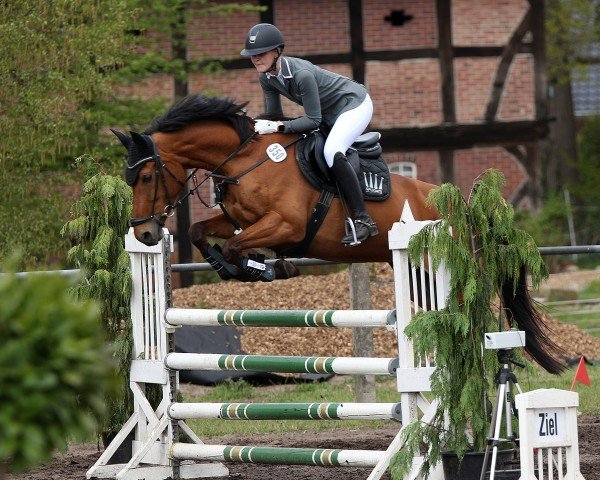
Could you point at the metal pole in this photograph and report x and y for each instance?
(570, 219)
(201, 267)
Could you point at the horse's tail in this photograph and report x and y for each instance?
(520, 308)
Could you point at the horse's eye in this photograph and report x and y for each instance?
(147, 178)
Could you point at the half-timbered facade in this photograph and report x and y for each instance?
(458, 86)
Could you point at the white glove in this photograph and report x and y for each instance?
(265, 126)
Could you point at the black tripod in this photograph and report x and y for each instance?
(506, 379)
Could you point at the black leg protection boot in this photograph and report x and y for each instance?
(347, 182)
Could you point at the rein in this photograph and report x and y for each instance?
(221, 188)
(197, 185)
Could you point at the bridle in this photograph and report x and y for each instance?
(160, 168)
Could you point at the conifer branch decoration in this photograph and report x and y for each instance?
(483, 251)
(100, 220)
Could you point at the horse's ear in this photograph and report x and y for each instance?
(139, 141)
(125, 140)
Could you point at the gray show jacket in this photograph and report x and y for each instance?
(323, 94)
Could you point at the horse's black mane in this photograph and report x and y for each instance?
(197, 107)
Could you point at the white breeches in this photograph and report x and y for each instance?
(347, 128)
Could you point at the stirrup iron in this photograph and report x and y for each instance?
(351, 229)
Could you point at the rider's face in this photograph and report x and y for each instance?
(263, 62)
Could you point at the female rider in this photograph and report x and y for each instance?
(328, 98)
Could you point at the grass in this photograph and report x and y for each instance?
(342, 390)
(592, 290)
(589, 397)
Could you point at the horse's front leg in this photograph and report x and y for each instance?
(217, 226)
(271, 231)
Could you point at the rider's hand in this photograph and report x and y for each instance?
(265, 126)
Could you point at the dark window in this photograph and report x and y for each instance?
(398, 18)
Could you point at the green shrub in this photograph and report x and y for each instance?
(54, 368)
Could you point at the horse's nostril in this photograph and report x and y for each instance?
(146, 238)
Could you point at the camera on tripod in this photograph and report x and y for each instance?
(504, 340)
(504, 343)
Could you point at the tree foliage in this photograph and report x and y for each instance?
(572, 33)
(586, 218)
(56, 56)
(550, 227)
(97, 229)
(54, 368)
(477, 241)
(571, 28)
(30, 217)
(63, 65)
(162, 28)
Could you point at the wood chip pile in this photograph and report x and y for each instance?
(330, 292)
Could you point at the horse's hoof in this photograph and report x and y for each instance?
(285, 270)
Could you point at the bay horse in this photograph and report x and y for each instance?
(268, 203)
(271, 203)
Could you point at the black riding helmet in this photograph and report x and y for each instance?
(262, 38)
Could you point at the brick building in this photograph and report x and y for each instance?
(458, 85)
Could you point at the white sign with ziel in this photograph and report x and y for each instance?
(276, 152)
(549, 426)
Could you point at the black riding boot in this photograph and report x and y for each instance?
(347, 182)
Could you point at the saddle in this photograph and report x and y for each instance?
(364, 156)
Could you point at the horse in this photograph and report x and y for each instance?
(267, 203)
(272, 203)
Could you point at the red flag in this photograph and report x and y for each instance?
(581, 374)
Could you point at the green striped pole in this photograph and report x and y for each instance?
(284, 364)
(285, 411)
(276, 456)
(281, 318)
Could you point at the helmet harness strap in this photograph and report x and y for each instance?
(274, 65)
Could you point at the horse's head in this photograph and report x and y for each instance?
(156, 184)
